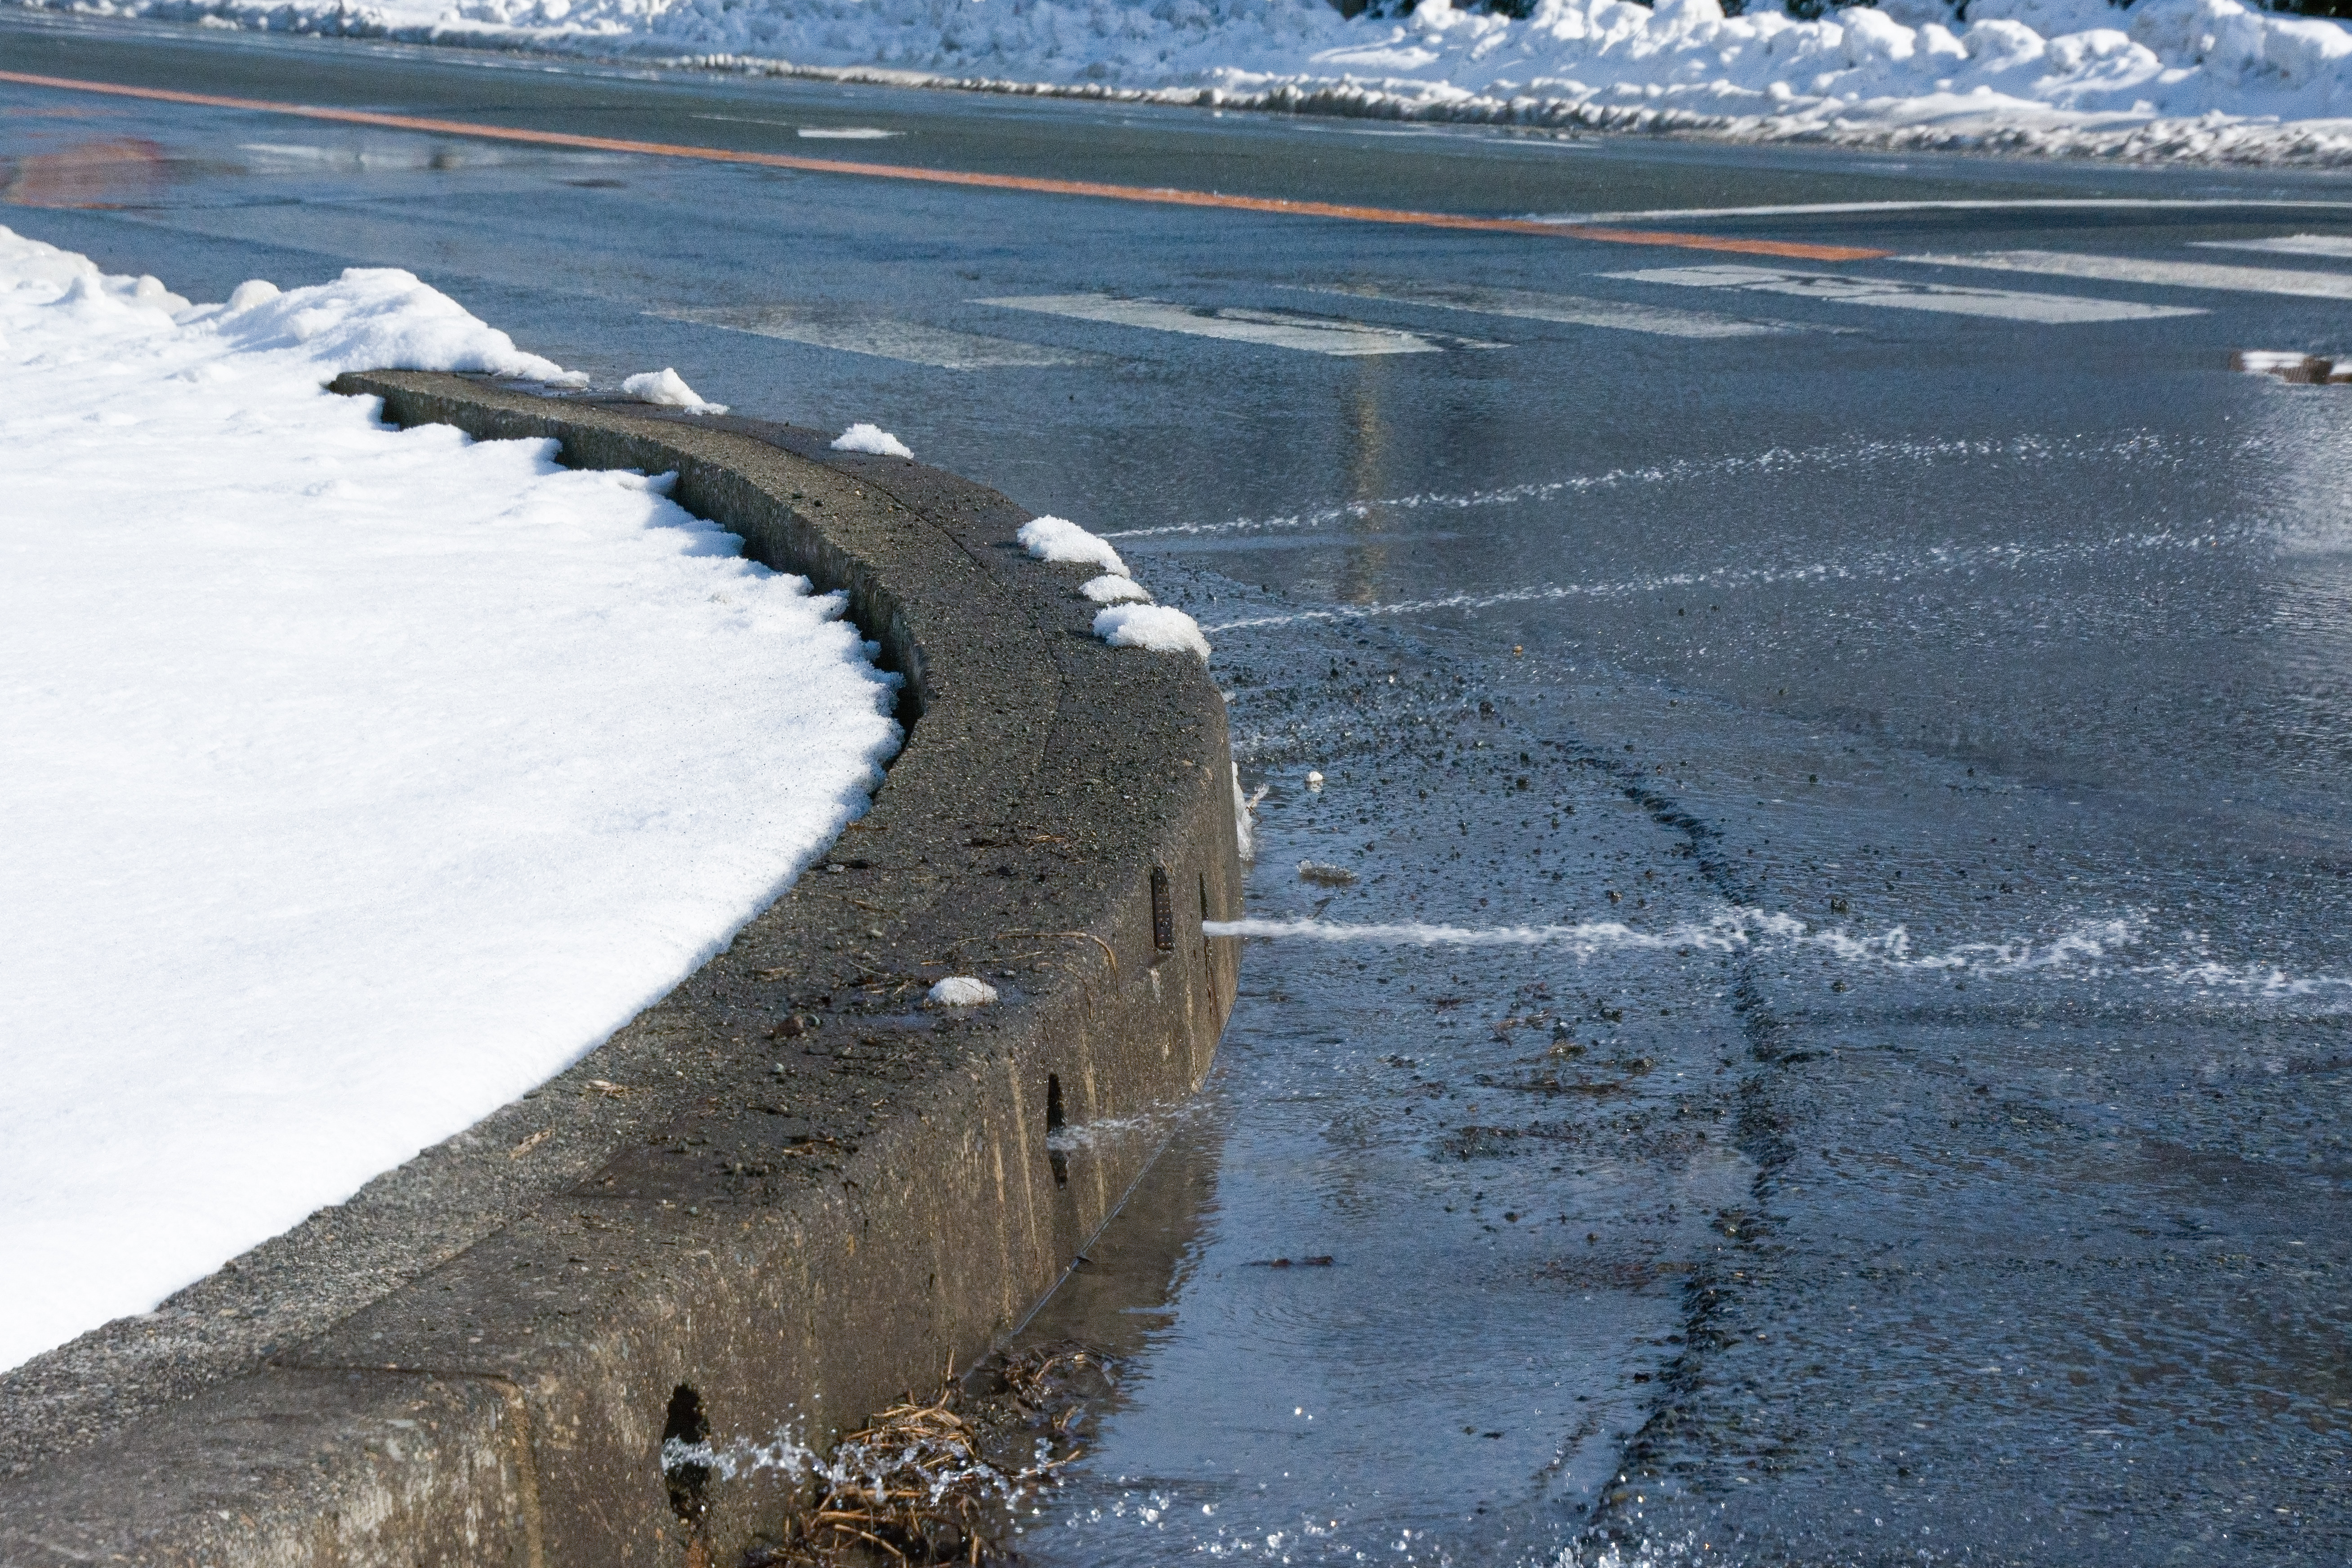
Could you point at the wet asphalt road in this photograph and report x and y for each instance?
(1918, 1133)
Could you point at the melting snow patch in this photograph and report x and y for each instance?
(1059, 538)
(668, 389)
(370, 775)
(1112, 589)
(962, 990)
(872, 439)
(1155, 626)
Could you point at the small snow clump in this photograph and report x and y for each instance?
(872, 438)
(962, 990)
(1244, 818)
(1154, 626)
(668, 388)
(1059, 538)
(1110, 588)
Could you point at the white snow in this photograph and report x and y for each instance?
(872, 438)
(1155, 626)
(1245, 816)
(962, 990)
(2214, 79)
(358, 780)
(1059, 538)
(1110, 588)
(666, 389)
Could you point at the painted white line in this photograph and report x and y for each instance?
(1807, 209)
(1571, 310)
(882, 339)
(1271, 329)
(2285, 245)
(846, 133)
(1902, 294)
(2140, 269)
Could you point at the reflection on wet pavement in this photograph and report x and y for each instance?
(111, 171)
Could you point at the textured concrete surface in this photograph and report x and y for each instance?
(780, 1196)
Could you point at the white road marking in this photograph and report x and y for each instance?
(1273, 329)
(2285, 245)
(1567, 309)
(846, 134)
(1828, 208)
(1903, 294)
(2143, 270)
(882, 339)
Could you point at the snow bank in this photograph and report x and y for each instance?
(1154, 626)
(358, 779)
(871, 439)
(2196, 78)
(668, 389)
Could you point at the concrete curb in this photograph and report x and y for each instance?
(777, 1198)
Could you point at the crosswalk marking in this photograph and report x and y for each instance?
(1903, 294)
(1273, 329)
(883, 338)
(2285, 245)
(2139, 269)
(1571, 310)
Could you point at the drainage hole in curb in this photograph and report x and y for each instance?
(687, 1478)
(1163, 911)
(1053, 1119)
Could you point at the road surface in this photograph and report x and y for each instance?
(1842, 683)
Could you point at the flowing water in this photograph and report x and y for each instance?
(1833, 1060)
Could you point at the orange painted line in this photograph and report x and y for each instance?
(1161, 195)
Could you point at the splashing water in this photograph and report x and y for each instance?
(2090, 949)
(1878, 566)
(1775, 460)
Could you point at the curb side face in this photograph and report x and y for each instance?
(786, 1189)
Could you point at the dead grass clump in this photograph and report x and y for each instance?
(916, 1486)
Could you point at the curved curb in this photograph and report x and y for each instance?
(776, 1198)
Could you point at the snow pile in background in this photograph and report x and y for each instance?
(357, 779)
(870, 439)
(666, 389)
(1155, 626)
(2196, 78)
